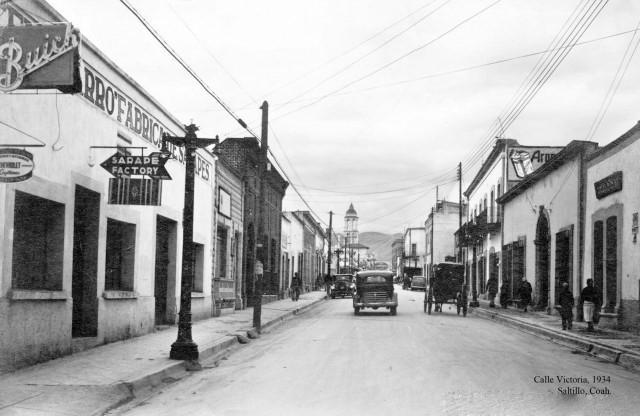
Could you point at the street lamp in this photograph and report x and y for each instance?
(184, 348)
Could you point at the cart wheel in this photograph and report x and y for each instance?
(394, 310)
(356, 310)
(429, 305)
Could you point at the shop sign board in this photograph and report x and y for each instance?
(609, 185)
(39, 56)
(523, 160)
(135, 191)
(16, 165)
(224, 202)
(151, 165)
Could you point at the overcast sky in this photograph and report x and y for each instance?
(346, 127)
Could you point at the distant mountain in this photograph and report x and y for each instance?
(379, 243)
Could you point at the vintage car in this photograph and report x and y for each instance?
(343, 286)
(419, 283)
(374, 289)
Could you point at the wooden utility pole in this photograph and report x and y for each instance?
(329, 252)
(460, 231)
(261, 252)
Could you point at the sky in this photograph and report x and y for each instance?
(375, 102)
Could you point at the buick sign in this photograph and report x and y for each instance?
(16, 165)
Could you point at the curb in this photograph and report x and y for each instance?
(625, 358)
(179, 369)
(274, 323)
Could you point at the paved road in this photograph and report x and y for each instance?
(330, 362)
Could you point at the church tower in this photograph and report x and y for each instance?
(351, 225)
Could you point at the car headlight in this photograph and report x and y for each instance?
(333, 287)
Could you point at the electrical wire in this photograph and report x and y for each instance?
(371, 52)
(22, 132)
(615, 84)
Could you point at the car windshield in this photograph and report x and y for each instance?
(376, 279)
(344, 277)
(419, 278)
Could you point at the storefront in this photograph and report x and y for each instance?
(612, 258)
(542, 227)
(87, 257)
(227, 282)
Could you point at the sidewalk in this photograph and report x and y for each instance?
(96, 380)
(620, 347)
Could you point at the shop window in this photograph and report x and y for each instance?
(198, 267)
(221, 252)
(38, 243)
(120, 259)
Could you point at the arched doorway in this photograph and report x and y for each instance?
(542, 242)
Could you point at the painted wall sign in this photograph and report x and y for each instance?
(224, 202)
(16, 165)
(609, 185)
(151, 165)
(523, 160)
(39, 56)
(132, 191)
(119, 107)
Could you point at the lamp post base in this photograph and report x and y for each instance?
(184, 350)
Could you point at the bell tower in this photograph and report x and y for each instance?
(351, 225)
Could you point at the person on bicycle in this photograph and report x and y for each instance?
(295, 287)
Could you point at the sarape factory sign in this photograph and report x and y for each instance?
(121, 108)
(39, 56)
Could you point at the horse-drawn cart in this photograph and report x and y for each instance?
(446, 286)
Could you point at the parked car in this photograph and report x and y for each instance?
(343, 286)
(374, 289)
(419, 283)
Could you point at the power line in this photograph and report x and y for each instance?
(371, 52)
(387, 65)
(615, 84)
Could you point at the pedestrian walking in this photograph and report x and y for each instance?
(492, 289)
(504, 295)
(566, 306)
(589, 298)
(524, 292)
(295, 287)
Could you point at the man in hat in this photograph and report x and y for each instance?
(565, 299)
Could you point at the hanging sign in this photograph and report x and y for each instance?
(39, 56)
(151, 165)
(16, 165)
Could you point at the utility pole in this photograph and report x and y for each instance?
(329, 253)
(261, 255)
(184, 348)
(460, 236)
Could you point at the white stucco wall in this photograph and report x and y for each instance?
(624, 204)
(558, 192)
(75, 124)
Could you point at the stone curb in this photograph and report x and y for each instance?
(178, 369)
(625, 358)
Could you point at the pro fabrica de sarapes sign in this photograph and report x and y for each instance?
(119, 107)
(39, 56)
(16, 165)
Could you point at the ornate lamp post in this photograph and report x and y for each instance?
(184, 348)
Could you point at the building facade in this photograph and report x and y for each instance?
(243, 154)
(440, 227)
(542, 227)
(611, 255)
(81, 265)
(415, 241)
(227, 277)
